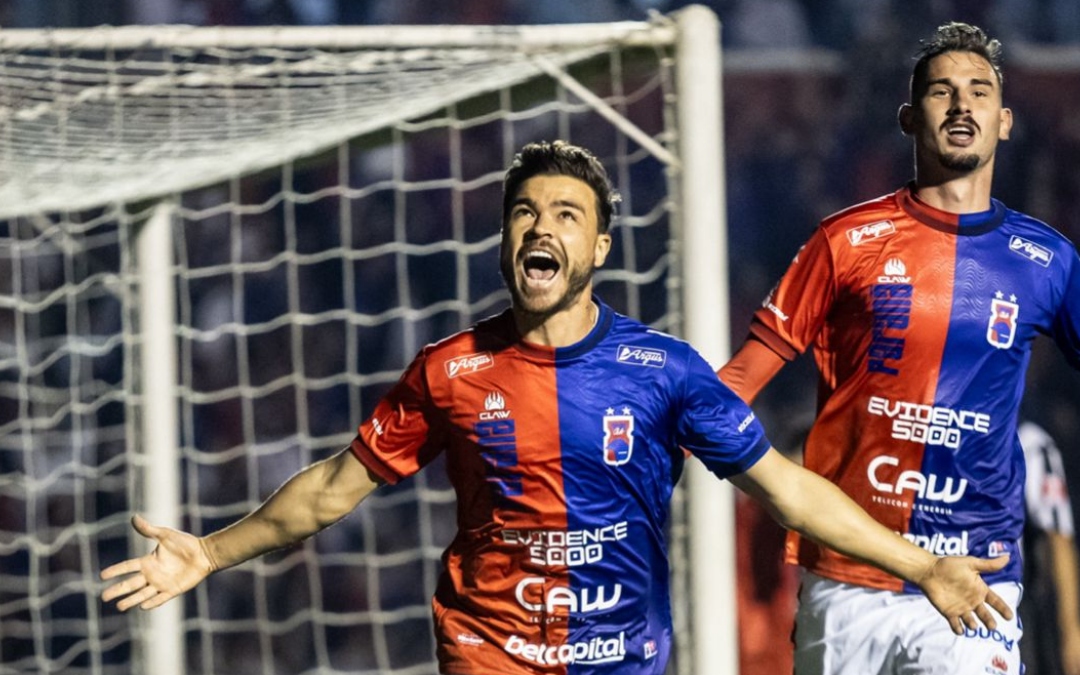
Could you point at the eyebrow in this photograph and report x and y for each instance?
(561, 202)
(948, 82)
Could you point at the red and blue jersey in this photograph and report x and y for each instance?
(563, 461)
(921, 324)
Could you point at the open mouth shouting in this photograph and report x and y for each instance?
(540, 269)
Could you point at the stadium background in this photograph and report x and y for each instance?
(811, 89)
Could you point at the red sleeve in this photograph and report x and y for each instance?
(792, 315)
(751, 368)
(404, 433)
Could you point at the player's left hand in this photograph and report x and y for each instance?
(955, 587)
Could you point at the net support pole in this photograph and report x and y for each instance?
(162, 637)
(706, 315)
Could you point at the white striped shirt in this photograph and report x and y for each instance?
(1045, 491)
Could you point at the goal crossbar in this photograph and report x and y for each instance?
(76, 134)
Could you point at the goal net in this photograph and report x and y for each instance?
(219, 247)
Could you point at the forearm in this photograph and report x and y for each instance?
(853, 532)
(799, 500)
(316, 497)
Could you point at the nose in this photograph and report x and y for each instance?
(961, 102)
(541, 225)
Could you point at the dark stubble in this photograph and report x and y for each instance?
(960, 162)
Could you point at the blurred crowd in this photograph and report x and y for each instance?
(834, 24)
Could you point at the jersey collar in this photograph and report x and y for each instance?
(579, 348)
(966, 224)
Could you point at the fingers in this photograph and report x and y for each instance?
(124, 587)
(985, 617)
(990, 564)
(956, 625)
(145, 527)
(121, 568)
(999, 605)
(138, 598)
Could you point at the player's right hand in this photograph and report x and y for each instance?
(177, 564)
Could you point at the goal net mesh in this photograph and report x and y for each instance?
(335, 207)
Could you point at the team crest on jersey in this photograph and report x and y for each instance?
(1002, 328)
(618, 437)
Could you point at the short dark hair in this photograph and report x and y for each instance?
(955, 37)
(560, 158)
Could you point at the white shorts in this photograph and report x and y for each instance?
(842, 629)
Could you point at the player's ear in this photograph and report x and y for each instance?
(1006, 124)
(906, 117)
(603, 247)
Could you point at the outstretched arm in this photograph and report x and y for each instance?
(801, 500)
(311, 500)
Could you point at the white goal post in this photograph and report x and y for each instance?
(219, 246)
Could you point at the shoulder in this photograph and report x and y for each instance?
(1033, 238)
(472, 348)
(865, 220)
(631, 343)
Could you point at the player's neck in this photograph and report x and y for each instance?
(952, 193)
(559, 329)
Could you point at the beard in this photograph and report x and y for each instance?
(959, 162)
(577, 280)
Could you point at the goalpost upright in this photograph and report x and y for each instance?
(706, 322)
(673, 252)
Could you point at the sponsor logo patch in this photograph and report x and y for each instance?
(642, 356)
(596, 650)
(1031, 250)
(469, 364)
(470, 639)
(998, 665)
(650, 649)
(870, 232)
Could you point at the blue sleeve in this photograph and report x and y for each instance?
(715, 425)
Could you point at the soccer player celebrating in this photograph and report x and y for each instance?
(564, 425)
(921, 307)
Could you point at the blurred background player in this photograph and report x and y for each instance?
(1050, 609)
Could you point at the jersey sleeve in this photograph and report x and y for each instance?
(1046, 491)
(715, 425)
(793, 313)
(1066, 326)
(406, 430)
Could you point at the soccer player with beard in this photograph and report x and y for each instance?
(921, 307)
(564, 425)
